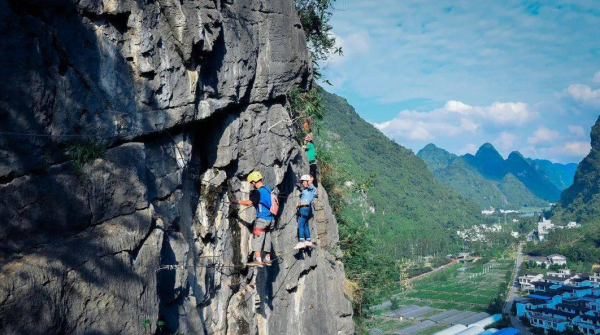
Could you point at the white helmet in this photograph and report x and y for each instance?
(305, 177)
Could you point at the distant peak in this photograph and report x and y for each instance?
(488, 151)
(487, 146)
(515, 154)
(430, 146)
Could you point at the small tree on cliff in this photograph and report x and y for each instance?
(314, 17)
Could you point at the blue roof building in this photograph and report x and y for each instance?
(508, 331)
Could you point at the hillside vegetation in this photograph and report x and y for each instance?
(388, 205)
(581, 201)
(409, 211)
(490, 180)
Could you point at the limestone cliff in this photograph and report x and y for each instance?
(188, 97)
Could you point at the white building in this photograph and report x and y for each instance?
(557, 259)
(490, 211)
(525, 282)
(550, 260)
(564, 273)
(573, 225)
(544, 227)
(595, 277)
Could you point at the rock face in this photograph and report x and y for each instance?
(187, 97)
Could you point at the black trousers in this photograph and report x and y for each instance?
(313, 172)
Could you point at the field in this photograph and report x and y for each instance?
(471, 287)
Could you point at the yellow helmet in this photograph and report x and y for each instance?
(254, 177)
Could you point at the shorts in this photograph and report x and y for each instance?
(263, 240)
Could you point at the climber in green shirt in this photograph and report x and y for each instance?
(309, 147)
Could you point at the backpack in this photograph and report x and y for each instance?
(274, 202)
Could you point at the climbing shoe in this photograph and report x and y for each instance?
(268, 262)
(299, 246)
(256, 263)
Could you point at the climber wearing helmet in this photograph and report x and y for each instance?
(304, 211)
(266, 207)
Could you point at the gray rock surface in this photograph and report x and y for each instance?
(186, 96)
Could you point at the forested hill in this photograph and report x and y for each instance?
(581, 201)
(490, 180)
(407, 210)
(560, 175)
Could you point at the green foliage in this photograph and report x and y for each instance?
(306, 106)
(395, 303)
(314, 17)
(578, 245)
(146, 323)
(468, 289)
(160, 324)
(81, 153)
(412, 214)
(503, 323)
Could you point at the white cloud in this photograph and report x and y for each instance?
(570, 149)
(506, 141)
(584, 94)
(543, 134)
(456, 118)
(470, 148)
(577, 148)
(353, 45)
(597, 77)
(576, 130)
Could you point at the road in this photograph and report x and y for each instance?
(512, 295)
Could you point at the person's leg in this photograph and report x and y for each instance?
(301, 223)
(268, 241)
(306, 213)
(306, 227)
(301, 230)
(258, 240)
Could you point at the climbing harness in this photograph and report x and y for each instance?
(257, 231)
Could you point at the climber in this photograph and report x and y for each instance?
(266, 207)
(304, 211)
(309, 147)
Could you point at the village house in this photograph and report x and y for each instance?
(553, 305)
(549, 260)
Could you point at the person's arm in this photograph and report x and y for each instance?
(244, 202)
(312, 179)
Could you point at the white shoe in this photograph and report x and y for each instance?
(300, 245)
(308, 244)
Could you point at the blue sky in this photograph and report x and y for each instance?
(522, 75)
